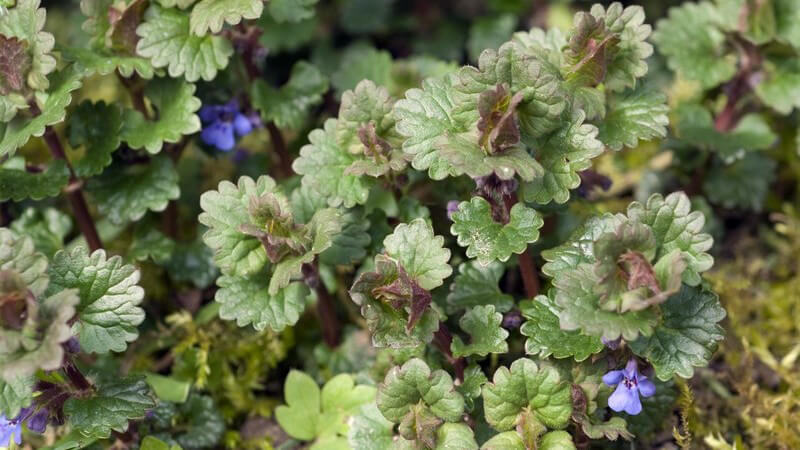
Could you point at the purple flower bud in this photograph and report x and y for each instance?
(630, 383)
(72, 345)
(10, 429)
(452, 207)
(242, 125)
(38, 422)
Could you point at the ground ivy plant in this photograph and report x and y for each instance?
(420, 257)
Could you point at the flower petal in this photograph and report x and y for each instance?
(634, 406)
(622, 396)
(613, 377)
(220, 135)
(209, 113)
(242, 125)
(646, 387)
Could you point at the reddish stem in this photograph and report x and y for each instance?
(279, 145)
(527, 268)
(442, 339)
(327, 312)
(73, 191)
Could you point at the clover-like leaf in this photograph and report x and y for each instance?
(545, 336)
(313, 414)
(167, 40)
(694, 45)
(247, 300)
(687, 335)
(488, 240)
(563, 154)
(176, 105)
(420, 253)
(640, 115)
(535, 391)
(323, 163)
(210, 15)
(126, 192)
(25, 22)
(486, 335)
(743, 183)
(110, 407)
(18, 184)
(289, 105)
(677, 227)
(695, 125)
(108, 312)
(16, 132)
(476, 285)
(427, 114)
(18, 254)
(225, 211)
(15, 393)
(415, 383)
(95, 126)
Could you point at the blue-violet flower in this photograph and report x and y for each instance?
(630, 383)
(9, 429)
(222, 123)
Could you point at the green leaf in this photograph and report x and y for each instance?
(108, 312)
(323, 163)
(525, 388)
(625, 60)
(508, 440)
(168, 389)
(19, 184)
(247, 300)
(369, 429)
(639, 115)
(15, 393)
(741, 184)
(348, 246)
(37, 345)
(292, 10)
(110, 408)
(225, 211)
(397, 313)
(677, 227)
(465, 156)
(557, 440)
(25, 21)
(126, 192)
(166, 39)
(695, 125)
(210, 15)
(175, 104)
(15, 133)
(781, 87)
(455, 436)
(311, 413)
(787, 16)
(545, 336)
(563, 154)
(362, 62)
(687, 335)
(18, 254)
(289, 105)
(477, 285)
(694, 45)
(149, 242)
(488, 240)
(421, 254)
(192, 262)
(486, 335)
(323, 227)
(46, 226)
(153, 443)
(96, 126)
(427, 114)
(470, 387)
(414, 383)
(104, 62)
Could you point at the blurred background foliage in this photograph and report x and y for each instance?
(748, 398)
